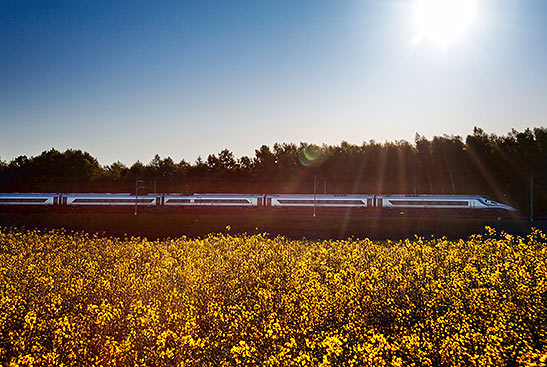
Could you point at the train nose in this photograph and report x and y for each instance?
(507, 207)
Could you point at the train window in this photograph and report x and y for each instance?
(341, 202)
(178, 201)
(321, 202)
(23, 200)
(221, 201)
(112, 201)
(429, 202)
(281, 201)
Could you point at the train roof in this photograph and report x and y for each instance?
(226, 195)
(31, 194)
(447, 197)
(95, 193)
(107, 194)
(321, 195)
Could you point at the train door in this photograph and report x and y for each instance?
(369, 202)
(379, 202)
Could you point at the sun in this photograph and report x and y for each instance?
(443, 21)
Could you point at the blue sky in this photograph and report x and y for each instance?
(127, 79)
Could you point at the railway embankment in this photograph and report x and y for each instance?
(291, 225)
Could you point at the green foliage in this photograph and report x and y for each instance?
(497, 166)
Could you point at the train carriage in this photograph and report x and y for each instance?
(109, 200)
(213, 200)
(29, 199)
(445, 202)
(321, 201)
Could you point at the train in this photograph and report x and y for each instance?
(450, 203)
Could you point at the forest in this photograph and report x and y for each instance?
(499, 166)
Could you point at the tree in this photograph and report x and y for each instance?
(265, 165)
(227, 160)
(497, 166)
(423, 146)
(116, 171)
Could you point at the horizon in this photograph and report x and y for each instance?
(129, 80)
(271, 146)
(253, 149)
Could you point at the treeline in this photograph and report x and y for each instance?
(486, 164)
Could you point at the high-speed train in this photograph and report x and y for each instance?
(278, 201)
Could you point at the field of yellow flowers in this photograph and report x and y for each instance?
(80, 299)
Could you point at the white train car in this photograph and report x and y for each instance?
(109, 200)
(438, 202)
(337, 201)
(213, 200)
(481, 202)
(28, 199)
(320, 201)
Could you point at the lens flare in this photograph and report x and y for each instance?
(311, 156)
